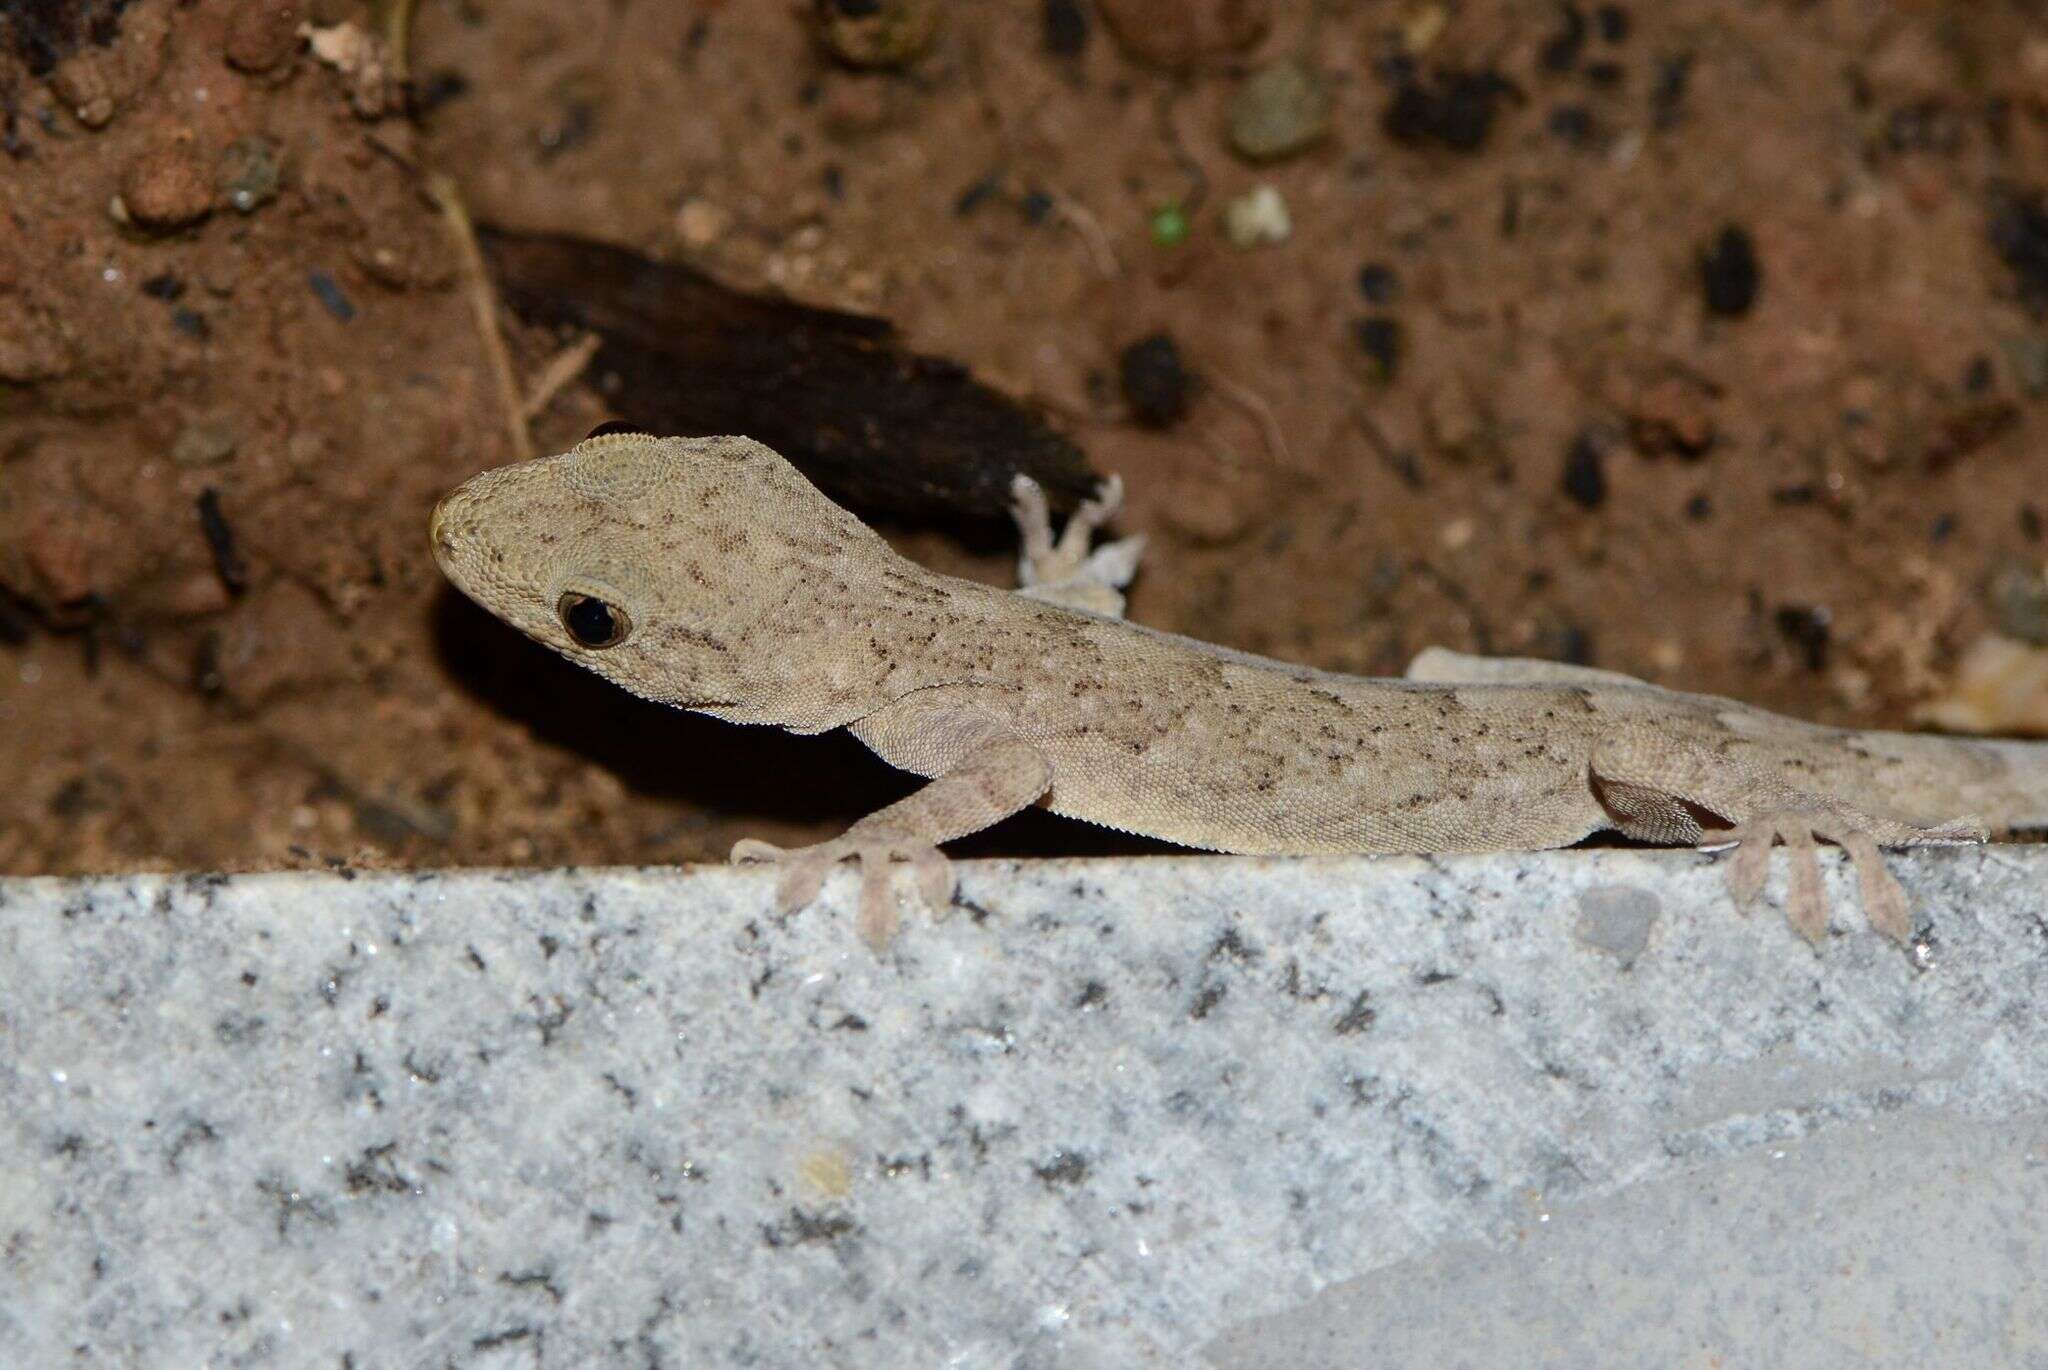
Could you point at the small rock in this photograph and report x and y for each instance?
(262, 35)
(1380, 338)
(1455, 110)
(1066, 28)
(878, 33)
(1278, 111)
(1169, 225)
(1378, 283)
(2019, 602)
(61, 557)
(329, 292)
(250, 172)
(122, 57)
(205, 442)
(1179, 34)
(166, 188)
(1671, 417)
(1257, 218)
(1729, 274)
(363, 63)
(1585, 481)
(700, 223)
(1808, 627)
(2027, 355)
(1155, 383)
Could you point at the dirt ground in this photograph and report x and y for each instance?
(1698, 339)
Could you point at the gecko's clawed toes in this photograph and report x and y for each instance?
(877, 921)
(1749, 864)
(804, 871)
(1885, 906)
(1806, 900)
(1884, 899)
(936, 882)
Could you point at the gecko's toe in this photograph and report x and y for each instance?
(803, 869)
(936, 882)
(1884, 899)
(878, 917)
(1806, 900)
(1749, 863)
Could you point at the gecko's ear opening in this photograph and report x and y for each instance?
(610, 426)
(592, 622)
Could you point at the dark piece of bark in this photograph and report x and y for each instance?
(880, 429)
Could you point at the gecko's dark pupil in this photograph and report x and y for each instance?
(613, 426)
(591, 621)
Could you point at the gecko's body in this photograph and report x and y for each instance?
(731, 586)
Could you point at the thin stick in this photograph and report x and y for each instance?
(1247, 399)
(564, 367)
(1077, 217)
(483, 304)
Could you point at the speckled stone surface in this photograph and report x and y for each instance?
(1560, 1109)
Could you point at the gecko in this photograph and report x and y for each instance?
(709, 574)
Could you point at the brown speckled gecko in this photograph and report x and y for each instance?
(709, 574)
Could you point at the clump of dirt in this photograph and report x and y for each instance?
(1700, 340)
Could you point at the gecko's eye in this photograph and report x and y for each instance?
(591, 621)
(613, 426)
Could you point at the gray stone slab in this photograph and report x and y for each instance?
(1552, 1109)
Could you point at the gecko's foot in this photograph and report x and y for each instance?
(804, 870)
(1065, 571)
(1884, 899)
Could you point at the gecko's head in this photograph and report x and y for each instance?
(649, 560)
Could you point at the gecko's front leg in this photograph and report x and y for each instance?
(981, 774)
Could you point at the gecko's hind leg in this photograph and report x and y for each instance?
(1065, 571)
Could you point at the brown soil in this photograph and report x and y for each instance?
(1557, 431)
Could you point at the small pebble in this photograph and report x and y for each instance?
(205, 442)
(1729, 274)
(1155, 383)
(1179, 34)
(2027, 355)
(1169, 226)
(1584, 479)
(220, 540)
(1807, 628)
(1379, 337)
(166, 188)
(1278, 111)
(262, 34)
(249, 174)
(1258, 218)
(700, 223)
(328, 291)
(1455, 110)
(2019, 602)
(1066, 28)
(878, 33)
(1378, 283)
